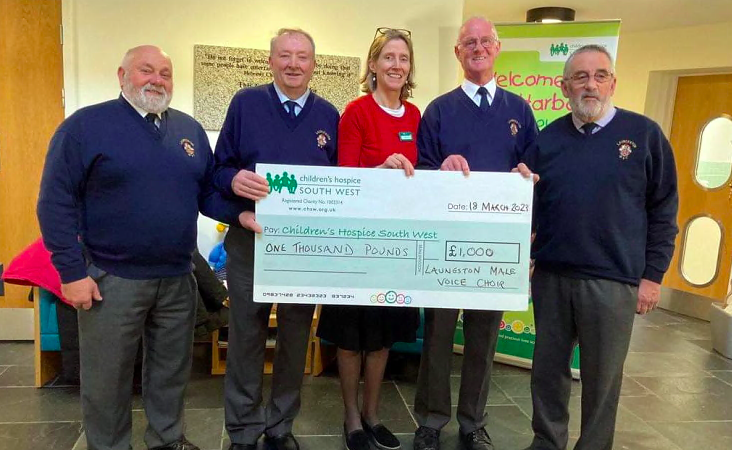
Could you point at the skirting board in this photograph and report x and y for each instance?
(686, 303)
(16, 324)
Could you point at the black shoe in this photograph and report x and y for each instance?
(477, 440)
(181, 444)
(426, 438)
(282, 442)
(356, 439)
(243, 447)
(381, 436)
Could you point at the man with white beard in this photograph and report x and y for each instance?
(605, 221)
(118, 209)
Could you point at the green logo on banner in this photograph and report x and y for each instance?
(559, 49)
(286, 181)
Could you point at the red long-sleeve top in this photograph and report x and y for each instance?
(367, 134)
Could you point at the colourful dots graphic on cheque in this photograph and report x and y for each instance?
(391, 298)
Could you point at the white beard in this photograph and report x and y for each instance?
(587, 111)
(151, 104)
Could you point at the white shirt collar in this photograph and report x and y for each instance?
(471, 90)
(601, 122)
(300, 100)
(140, 111)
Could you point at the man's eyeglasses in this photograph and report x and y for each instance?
(582, 78)
(486, 42)
(386, 30)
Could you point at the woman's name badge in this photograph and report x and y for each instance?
(405, 136)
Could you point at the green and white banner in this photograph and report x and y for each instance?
(530, 64)
(532, 59)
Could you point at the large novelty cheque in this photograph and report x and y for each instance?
(376, 237)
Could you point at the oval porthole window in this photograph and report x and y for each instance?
(701, 250)
(714, 158)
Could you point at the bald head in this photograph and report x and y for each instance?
(477, 21)
(477, 48)
(141, 51)
(146, 78)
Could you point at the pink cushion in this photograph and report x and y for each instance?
(32, 267)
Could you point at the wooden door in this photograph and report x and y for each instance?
(701, 136)
(31, 107)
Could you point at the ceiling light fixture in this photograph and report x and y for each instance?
(550, 14)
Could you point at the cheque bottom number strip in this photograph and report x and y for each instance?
(369, 254)
(393, 297)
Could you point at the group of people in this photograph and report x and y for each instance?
(124, 181)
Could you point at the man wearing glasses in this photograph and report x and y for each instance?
(605, 221)
(477, 126)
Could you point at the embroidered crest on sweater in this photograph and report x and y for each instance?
(188, 147)
(322, 137)
(625, 148)
(514, 126)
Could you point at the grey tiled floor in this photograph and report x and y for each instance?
(677, 394)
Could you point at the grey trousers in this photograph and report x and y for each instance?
(161, 313)
(432, 403)
(599, 314)
(245, 415)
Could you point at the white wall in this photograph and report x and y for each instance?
(699, 49)
(98, 32)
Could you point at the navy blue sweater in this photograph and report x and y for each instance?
(606, 205)
(492, 141)
(257, 129)
(128, 193)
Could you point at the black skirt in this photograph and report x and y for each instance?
(367, 328)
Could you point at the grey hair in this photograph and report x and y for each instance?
(283, 31)
(483, 18)
(587, 49)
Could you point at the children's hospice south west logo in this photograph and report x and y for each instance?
(559, 49)
(286, 181)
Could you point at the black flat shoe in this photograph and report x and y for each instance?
(381, 436)
(356, 439)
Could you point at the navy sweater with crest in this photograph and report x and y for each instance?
(124, 196)
(492, 141)
(605, 206)
(257, 129)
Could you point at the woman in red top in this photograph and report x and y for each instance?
(376, 130)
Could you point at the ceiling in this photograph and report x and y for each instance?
(636, 15)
